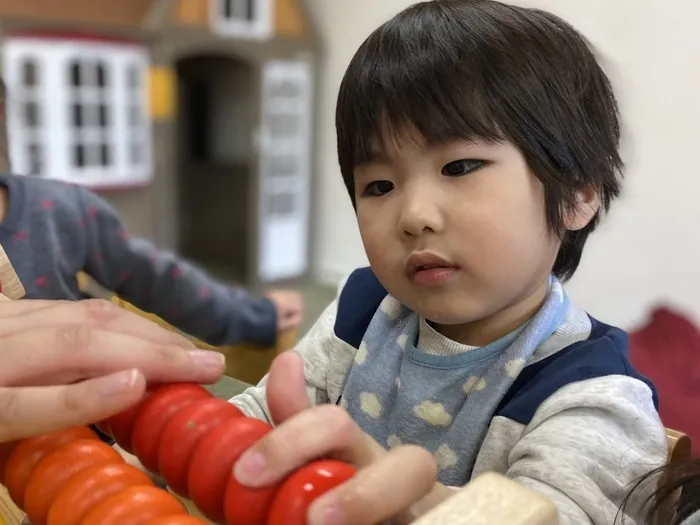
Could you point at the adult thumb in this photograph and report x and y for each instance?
(286, 387)
(31, 411)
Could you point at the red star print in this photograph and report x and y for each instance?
(41, 282)
(204, 292)
(176, 273)
(21, 235)
(47, 204)
(92, 212)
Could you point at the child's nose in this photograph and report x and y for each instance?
(420, 214)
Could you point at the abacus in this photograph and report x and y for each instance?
(178, 431)
(192, 439)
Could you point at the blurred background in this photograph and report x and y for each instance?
(209, 125)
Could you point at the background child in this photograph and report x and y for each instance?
(479, 144)
(51, 231)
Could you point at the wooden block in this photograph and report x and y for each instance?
(492, 499)
(11, 286)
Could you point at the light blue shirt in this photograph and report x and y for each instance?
(411, 385)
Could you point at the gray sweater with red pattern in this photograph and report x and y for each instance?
(53, 230)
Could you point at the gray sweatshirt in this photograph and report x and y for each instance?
(554, 405)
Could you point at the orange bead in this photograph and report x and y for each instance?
(56, 468)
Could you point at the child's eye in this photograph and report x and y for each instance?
(379, 187)
(461, 167)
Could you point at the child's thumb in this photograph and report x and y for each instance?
(286, 387)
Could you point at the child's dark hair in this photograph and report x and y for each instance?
(459, 69)
(667, 505)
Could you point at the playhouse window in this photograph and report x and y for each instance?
(244, 18)
(89, 106)
(31, 109)
(77, 110)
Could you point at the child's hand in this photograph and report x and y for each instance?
(387, 484)
(290, 308)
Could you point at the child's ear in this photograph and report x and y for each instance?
(583, 210)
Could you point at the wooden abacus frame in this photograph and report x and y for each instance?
(11, 288)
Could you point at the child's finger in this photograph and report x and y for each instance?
(324, 430)
(411, 473)
(29, 411)
(67, 353)
(95, 312)
(286, 387)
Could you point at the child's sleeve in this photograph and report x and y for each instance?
(160, 283)
(318, 349)
(586, 447)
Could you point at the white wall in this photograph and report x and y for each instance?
(648, 248)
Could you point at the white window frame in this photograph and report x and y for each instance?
(283, 213)
(260, 27)
(56, 98)
(33, 136)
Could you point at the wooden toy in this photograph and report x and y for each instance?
(178, 431)
(11, 288)
(492, 499)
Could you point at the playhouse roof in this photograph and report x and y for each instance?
(290, 18)
(83, 12)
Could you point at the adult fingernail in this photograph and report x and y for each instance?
(326, 516)
(115, 384)
(208, 358)
(249, 467)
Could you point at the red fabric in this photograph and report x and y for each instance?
(667, 351)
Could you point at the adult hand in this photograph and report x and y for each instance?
(398, 484)
(290, 308)
(73, 363)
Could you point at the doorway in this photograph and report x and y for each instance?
(216, 164)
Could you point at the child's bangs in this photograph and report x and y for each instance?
(410, 102)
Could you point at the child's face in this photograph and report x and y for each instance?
(474, 210)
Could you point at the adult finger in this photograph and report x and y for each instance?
(30, 411)
(94, 312)
(286, 387)
(64, 354)
(324, 430)
(409, 470)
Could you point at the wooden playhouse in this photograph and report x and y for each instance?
(192, 117)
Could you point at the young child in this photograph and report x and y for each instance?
(51, 231)
(479, 144)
